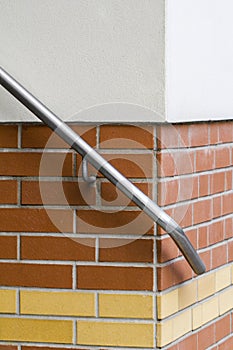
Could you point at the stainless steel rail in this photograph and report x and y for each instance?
(113, 175)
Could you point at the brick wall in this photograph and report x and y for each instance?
(82, 267)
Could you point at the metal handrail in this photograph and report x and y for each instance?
(105, 168)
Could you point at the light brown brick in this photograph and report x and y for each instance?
(35, 220)
(8, 136)
(115, 278)
(57, 193)
(124, 250)
(8, 247)
(126, 136)
(8, 192)
(57, 248)
(29, 164)
(35, 275)
(37, 136)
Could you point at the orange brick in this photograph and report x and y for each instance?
(206, 337)
(204, 159)
(202, 237)
(182, 214)
(214, 132)
(223, 327)
(35, 220)
(229, 228)
(126, 136)
(37, 136)
(173, 274)
(222, 157)
(216, 232)
(29, 164)
(225, 132)
(219, 256)
(168, 192)
(203, 211)
(206, 258)
(192, 235)
(227, 204)
(119, 222)
(115, 278)
(199, 134)
(166, 250)
(217, 183)
(228, 180)
(8, 247)
(204, 181)
(57, 193)
(226, 345)
(189, 343)
(57, 248)
(217, 206)
(8, 136)
(123, 250)
(167, 136)
(35, 275)
(175, 163)
(8, 192)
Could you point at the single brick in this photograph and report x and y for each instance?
(222, 157)
(205, 312)
(204, 159)
(204, 185)
(8, 136)
(166, 250)
(214, 132)
(7, 301)
(223, 327)
(225, 301)
(130, 165)
(126, 136)
(37, 136)
(167, 304)
(187, 295)
(167, 136)
(216, 232)
(57, 248)
(227, 204)
(217, 182)
(188, 343)
(8, 247)
(8, 347)
(199, 134)
(57, 193)
(31, 164)
(35, 275)
(126, 306)
(173, 274)
(119, 222)
(57, 303)
(225, 131)
(112, 196)
(219, 256)
(227, 344)
(115, 334)
(33, 330)
(203, 211)
(35, 220)
(116, 278)
(8, 192)
(206, 286)
(202, 236)
(206, 337)
(124, 250)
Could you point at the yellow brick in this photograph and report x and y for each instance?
(174, 328)
(226, 301)
(223, 278)
(164, 333)
(47, 331)
(167, 304)
(205, 312)
(7, 301)
(128, 306)
(57, 303)
(187, 295)
(115, 334)
(206, 286)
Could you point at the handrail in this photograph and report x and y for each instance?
(105, 168)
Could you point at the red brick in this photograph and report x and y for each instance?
(57, 193)
(227, 203)
(216, 232)
(167, 136)
(37, 136)
(182, 214)
(124, 250)
(166, 250)
(35, 220)
(175, 163)
(113, 196)
(214, 132)
(206, 258)
(166, 164)
(204, 159)
(206, 337)
(225, 131)
(204, 181)
(222, 157)
(199, 134)
(8, 347)
(189, 343)
(130, 165)
(217, 183)
(202, 237)
(219, 256)
(44, 348)
(8, 136)
(118, 222)
(8, 192)
(217, 206)
(57, 248)
(230, 251)
(203, 211)
(173, 274)
(126, 136)
(192, 235)
(8, 247)
(114, 278)
(229, 228)
(222, 327)
(35, 275)
(29, 164)
(228, 180)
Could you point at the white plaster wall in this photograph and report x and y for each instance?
(199, 60)
(79, 53)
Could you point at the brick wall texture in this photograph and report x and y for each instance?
(81, 267)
